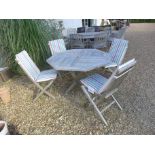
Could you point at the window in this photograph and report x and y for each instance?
(86, 22)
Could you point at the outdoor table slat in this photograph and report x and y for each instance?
(81, 60)
(87, 35)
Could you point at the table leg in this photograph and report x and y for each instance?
(71, 87)
(76, 79)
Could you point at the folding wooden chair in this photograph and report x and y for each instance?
(66, 34)
(77, 41)
(122, 32)
(100, 40)
(97, 87)
(117, 52)
(57, 46)
(90, 29)
(119, 33)
(108, 30)
(35, 75)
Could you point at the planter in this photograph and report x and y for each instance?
(3, 128)
(5, 74)
(5, 95)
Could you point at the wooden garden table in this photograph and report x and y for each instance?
(90, 35)
(80, 60)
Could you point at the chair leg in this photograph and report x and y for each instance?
(44, 90)
(59, 75)
(94, 105)
(117, 102)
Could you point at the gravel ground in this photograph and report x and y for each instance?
(70, 115)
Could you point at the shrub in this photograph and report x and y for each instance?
(27, 34)
(142, 20)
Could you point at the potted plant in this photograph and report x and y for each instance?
(5, 73)
(3, 128)
(5, 94)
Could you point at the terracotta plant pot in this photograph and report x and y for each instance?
(5, 95)
(5, 74)
(3, 128)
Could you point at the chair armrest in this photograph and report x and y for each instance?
(110, 65)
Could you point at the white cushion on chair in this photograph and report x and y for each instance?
(47, 75)
(94, 82)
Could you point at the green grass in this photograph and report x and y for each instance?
(30, 35)
(142, 20)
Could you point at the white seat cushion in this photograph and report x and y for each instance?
(47, 75)
(94, 83)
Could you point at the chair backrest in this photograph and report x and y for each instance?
(118, 76)
(100, 40)
(118, 50)
(80, 29)
(122, 32)
(90, 29)
(28, 66)
(71, 31)
(97, 28)
(76, 37)
(108, 30)
(57, 46)
(76, 40)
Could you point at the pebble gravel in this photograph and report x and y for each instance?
(69, 114)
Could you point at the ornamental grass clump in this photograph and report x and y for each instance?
(27, 34)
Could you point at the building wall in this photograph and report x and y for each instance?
(75, 23)
(72, 23)
(99, 21)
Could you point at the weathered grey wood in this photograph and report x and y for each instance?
(100, 40)
(119, 33)
(88, 35)
(101, 86)
(57, 46)
(67, 32)
(90, 29)
(76, 41)
(118, 50)
(81, 60)
(35, 75)
(5, 74)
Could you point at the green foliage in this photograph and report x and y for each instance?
(3, 59)
(142, 20)
(30, 35)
